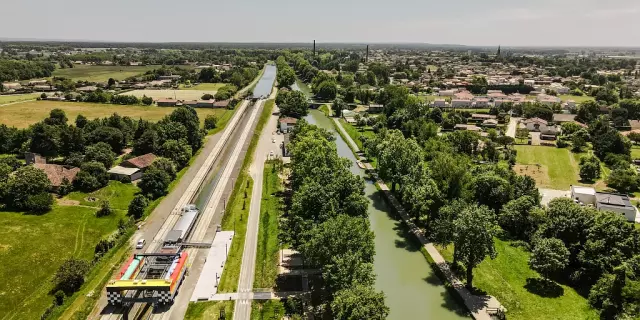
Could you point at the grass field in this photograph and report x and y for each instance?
(22, 115)
(209, 310)
(204, 86)
(356, 133)
(635, 152)
(119, 195)
(577, 99)
(18, 97)
(101, 73)
(33, 247)
(235, 218)
(512, 282)
(270, 309)
(558, 167)
(171, 94)
(270, 210)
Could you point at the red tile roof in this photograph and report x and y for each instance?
(56, 173)
(140, 162)
(289, 120)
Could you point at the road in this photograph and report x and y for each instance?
(265, 145)
(513, 125)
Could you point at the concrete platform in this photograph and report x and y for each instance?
(207, 285)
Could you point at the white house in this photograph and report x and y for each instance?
(586, 195)
(536, 124)
(603, 201)
(287, 124)
(440, 103)
(481, 103)
(447, 93)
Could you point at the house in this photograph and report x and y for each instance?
(121, 173)
(548, 100)
(456, 103)
(536, 124)
(44, 87)
(57, 174)
(490, 123)
(11, 86)
(586, 195)
(167, 102)
(221, 103)
(205, 104)
(467, 127)
(447, 93)
(287, 124)
(170, 78)
(142, 162)
(550, 133)
(37, 82)
(482, 117)
(375, 108)
(87, 89)
(481, 103)
(440, 103)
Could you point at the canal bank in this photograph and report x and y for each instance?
(412, 289)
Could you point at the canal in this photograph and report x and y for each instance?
(265, 84)
(411, 287)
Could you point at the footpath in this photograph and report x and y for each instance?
(480, 307)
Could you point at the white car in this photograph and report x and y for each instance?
(273, 140)
(140, 244)
(271, 153)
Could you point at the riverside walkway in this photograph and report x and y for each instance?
(480, 307)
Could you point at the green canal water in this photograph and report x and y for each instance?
(411, 287)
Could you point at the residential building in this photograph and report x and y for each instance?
(481, 103)
(613, 202)
(205, 104)
(57, 174)
(482, 117)
(563, 117)
(467, 127)
(536, 124)
(221, 103)
(490, 123)
(456, 103)
(167, 102)
(375, 108)
(440, 103)
(121, 173)
(141, 162)
(287, 124)
(585, 195)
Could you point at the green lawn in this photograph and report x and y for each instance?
(558, 166)
(355, 134)
(635, 152)
(209, 310)
(235, 217)
(506, 279)
(101, 73)
(18, 97)
(577, 99)
(270, 210)
(117, 193)
(270, 309)
(32, 248)
(204, 86)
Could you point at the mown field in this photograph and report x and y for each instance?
(18, 97)
(555, 168)
(204, 86)
(101, 73)
(513, 283)
(32, 247)
(209, 310)
(21, 115)
(171, 94)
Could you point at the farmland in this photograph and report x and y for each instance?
(172, 94)
(101, 73)
(21, 115)
(46, 241)
(18, 97)
(204, 86)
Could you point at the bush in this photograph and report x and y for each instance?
(561, 143)
(70, 275)
(58, 297)
(210, 122)
(154, 183)
(146, 100)
(40, 203)
(137, 206)
(105, 209)
(207, 96)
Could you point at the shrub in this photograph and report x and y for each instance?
(207, 96)
(40, 203)
(70, 275)
(561, 143)
(146, 100)
(210, 122)
(105, 209)
(137, 206)
(154, 183)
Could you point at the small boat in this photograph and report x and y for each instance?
(360, 164)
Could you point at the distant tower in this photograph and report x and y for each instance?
(314, 48)
(498, 51)
(367, 58)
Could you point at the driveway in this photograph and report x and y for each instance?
(550, 194)
(513, 125)
(535, 138)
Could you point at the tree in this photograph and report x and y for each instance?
(70, 276)
(81, 121)
(100, 152)
(623, 180)
(147, 101)
(491, 190)
(188, 117)
(178, 151)
(589, 168)
(397, 156)
(210, 122)
(292, 104)
(166, 165)
(588, 111)
(57, 117)
(147, 143)
(45, 140)
(549, 256)
(521, 217)
(92, 176)
(137, 206)
(522, 133)
(207, 96)
(105, 209)
(72, 140)
(110, 135)
(111, 82)
(474, 228)
(24, 184)
(327, 90)
(285, 77)
(359, 302)
(40, 203)
(154, 183)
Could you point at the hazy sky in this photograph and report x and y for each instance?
(471, 22)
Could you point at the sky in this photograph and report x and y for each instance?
(466, 22)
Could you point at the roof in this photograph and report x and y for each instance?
(583, 190)
(56, 173)
(613, 199)
(221, 103)
(536, 120)
(289, 120)
(563, 117)
(167, 101)
(140, 162)
(483, 116)
(468, 127)
(490, 121)
(123, 170)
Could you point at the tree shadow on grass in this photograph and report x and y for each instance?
(544, 288)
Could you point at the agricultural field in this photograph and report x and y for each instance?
(555, 168)
(203, 86)
(101, 73)
(516, 286)
(172, 94)
(21, 115)
(45, 241)
(18, 97)
(577, 99)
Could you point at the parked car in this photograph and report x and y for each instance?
(140, 244)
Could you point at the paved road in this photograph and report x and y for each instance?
(247, 271)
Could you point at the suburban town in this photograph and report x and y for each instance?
(311, 175)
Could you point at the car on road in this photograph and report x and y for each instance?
(273, 140)
(140, 244)
(271, 153)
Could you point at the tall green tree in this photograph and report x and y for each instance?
(359, 302)
(549, 256)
